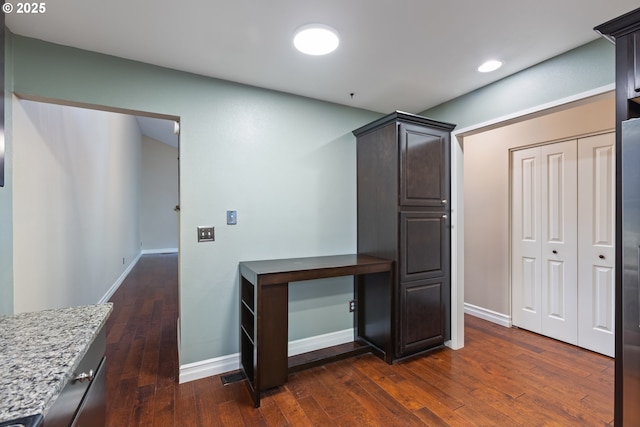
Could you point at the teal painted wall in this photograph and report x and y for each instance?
(579, 70)
(285, 163)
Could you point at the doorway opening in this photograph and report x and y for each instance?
(94, 189)
(481, 248)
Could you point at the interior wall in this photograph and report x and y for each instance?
(76, 176)
(487, 189)
(158, 196)
(285, 163)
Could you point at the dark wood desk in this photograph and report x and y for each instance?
(264, 314)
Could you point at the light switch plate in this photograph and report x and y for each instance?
(206, 234)
(232, 217)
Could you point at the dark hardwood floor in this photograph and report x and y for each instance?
(502, 377)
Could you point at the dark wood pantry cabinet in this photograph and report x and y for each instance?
(403, 181)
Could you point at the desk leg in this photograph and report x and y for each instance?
(374, 292)
(273, 337)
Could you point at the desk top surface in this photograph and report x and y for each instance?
(323, 266)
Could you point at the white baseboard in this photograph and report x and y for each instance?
(219, 365)
(486, 314)
(112, 290)
(206, 368)
(320, 341)
(160, 251)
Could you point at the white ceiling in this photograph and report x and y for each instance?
(159, 129)
(394, 54)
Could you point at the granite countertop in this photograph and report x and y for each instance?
(39, 352)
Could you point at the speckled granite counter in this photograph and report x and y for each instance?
(38, 355)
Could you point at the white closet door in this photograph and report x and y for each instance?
(526, 235)
(596, 224)
(544, 240)
(559, 251)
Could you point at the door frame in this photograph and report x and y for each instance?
(129, 112)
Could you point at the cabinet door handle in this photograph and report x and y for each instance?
(444, 201)
(601, 256)
(444, 217)
(554, 251)
(85, 377)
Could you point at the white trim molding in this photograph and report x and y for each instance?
(320, 341)
(219, 365)
(486, 314)
(529, 112)
(207, 368)
(160, 251)
(112, 290)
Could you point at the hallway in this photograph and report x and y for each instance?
(142, 360)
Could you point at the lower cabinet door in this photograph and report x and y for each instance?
(424, 245)
(421, 316)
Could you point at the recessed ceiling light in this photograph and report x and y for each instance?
(316, 39)
(489, 66)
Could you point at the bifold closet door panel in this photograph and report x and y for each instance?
(596, 243)
(559, 243)
(544, 248)
(526, 235)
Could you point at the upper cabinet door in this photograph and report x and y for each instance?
(424, 166)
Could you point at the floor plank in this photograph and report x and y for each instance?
(502, 377)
